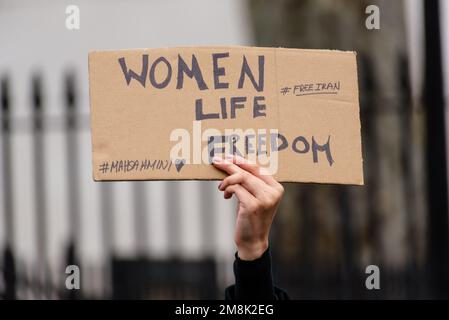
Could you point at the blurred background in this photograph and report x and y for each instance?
(156, 240)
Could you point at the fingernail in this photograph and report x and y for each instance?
(216, 159)
(219, 186)
(229, 156)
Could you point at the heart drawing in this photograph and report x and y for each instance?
(179, 163)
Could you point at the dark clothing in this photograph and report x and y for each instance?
(254, 280)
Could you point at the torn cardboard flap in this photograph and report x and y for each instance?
(160, 114)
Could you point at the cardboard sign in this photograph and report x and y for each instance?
(160, 114)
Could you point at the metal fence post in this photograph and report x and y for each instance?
(9, 265)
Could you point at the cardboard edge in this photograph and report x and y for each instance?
(362, 174)
(90, 57)
(208, 47)
(216, 179)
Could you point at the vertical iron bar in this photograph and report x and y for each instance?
(438, 242)
(107, 214)
(372, 150)
(7, 163)
(140, 218)
(347, 264)
(73, 174)
(9, 268)
(173, 212)
(407, 152)
(207, 218)
(39, 182)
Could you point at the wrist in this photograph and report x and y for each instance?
(252, 251)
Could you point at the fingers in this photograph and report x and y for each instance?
(242, 178)
(256, 171)
(253, 168)
(224, 165)
(239, 176)
(241, 193)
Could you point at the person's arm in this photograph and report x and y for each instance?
(258, 196)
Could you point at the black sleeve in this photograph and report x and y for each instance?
(254, 280)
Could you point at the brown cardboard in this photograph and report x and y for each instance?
(309, 96)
